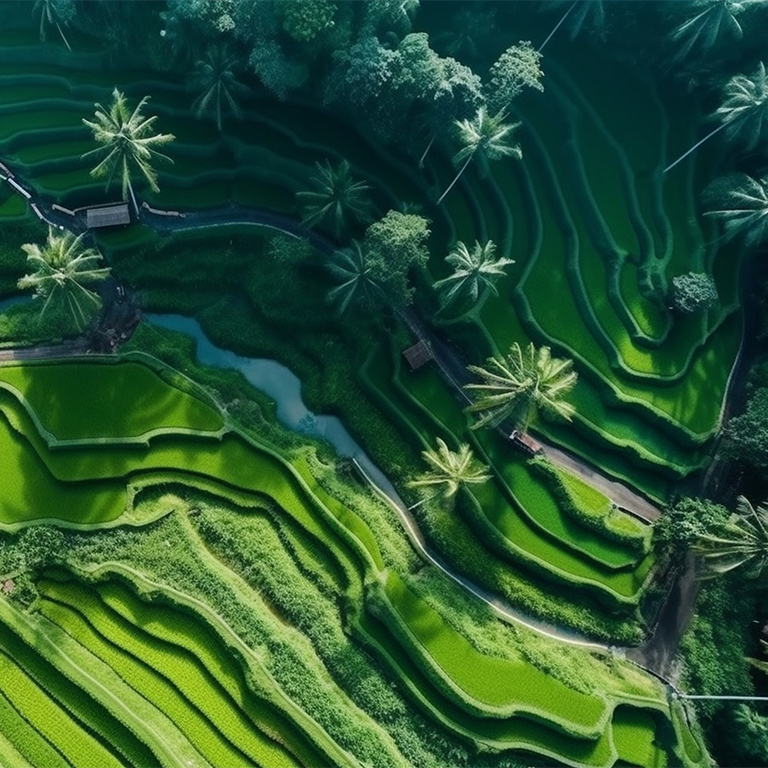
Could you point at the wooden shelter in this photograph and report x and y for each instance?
(525, 442)
(110, 215)
(419, 354)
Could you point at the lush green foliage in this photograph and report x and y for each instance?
(520, 385)
(62, 269)
(693, 292)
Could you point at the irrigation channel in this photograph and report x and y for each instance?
(284, 387)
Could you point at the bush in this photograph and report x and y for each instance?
(693, 292)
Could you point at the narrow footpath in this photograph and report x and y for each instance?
(658, 651)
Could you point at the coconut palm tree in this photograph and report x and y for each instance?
(214, 76)
(474, 270)
(356, 284)
(704, 30)
(50, 11)
(337, 199)
(741, 543)
(521, 384)
(128, 144)
(451, 470)
(580, 14)
(741, 203)
(485, 136)
(62, 269)
(743, 114)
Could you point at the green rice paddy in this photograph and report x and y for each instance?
(590, 225)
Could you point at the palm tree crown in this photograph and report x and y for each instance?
(473, 271)
(450, 470)
(743, 113)
(50, 15)
(520, 384)
(742, 542)
(717, 21)
(745, 107)
(337, 199)
(128, 142)
(741, 203)
(214, 76)
(356, 284)
(485, 136)
(62, 268)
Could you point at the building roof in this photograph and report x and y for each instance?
(419, 354)
(524, 441)
(107, 215)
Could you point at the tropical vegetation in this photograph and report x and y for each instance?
(266, 523)
(518, 386)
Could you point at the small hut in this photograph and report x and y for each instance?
(524, 442)
(419, 354)
(109, 215)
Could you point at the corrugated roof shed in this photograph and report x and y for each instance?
(107, 216)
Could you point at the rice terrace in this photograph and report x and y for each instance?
(383, 383)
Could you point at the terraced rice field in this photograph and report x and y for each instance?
(169, 660)
(591, 228)
(118, 666)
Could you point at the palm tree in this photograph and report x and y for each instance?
(741, 202)
(129, 141)
(707, 27)
(450, 471)
(351, 270)
(49, 16)
(214, 76)
(485, 136)
(741, 543)
(474, 271)
(579, 13)
(336, 199)
(519, 385)
(62, 268)
(743, 113)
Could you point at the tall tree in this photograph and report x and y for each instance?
(710, 25)
(215, 78)
(54, 13)
(518, 68)
(356, 283)
(578, 16)
(520, 385)
(743, 114)
(128, 142)
(742, 542)
(474, 271)
(337, 199)
(450, 471)
(485, 137)
(61, 270)
(741, 203)
(393, 247)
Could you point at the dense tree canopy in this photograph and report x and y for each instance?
(393, 246)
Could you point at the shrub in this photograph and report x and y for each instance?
(693, 292)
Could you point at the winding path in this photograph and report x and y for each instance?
(448, 359)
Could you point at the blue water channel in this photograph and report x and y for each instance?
(272, 378)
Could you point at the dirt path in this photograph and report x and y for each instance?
(658, 652)
(619, 494)
(71, 348)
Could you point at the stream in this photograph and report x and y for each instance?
(284, 387)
